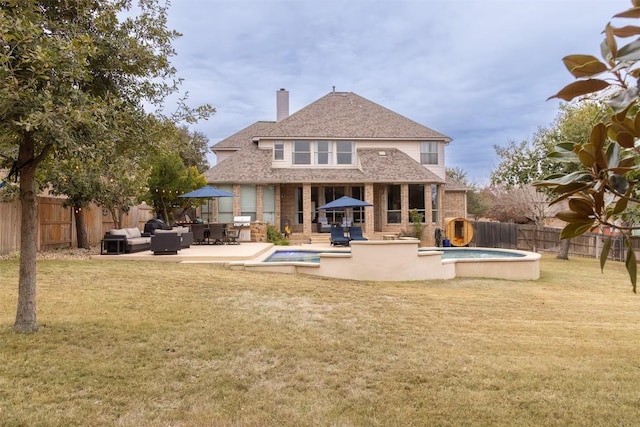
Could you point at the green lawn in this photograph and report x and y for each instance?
(164, 344)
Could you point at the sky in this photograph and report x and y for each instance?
(478, 71)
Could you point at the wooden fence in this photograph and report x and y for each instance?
(530, 238)
(56, 224)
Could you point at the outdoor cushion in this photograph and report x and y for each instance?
(133, 232)
(165, 231)
(119, 232)
(181, 229)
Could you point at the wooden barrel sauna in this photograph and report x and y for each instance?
(458, 231)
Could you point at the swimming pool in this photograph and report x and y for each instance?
(297, 256)
(447, 253)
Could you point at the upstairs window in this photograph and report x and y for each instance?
(320, 152)
(344, 152)
(278, 150)
(323, 153)
(301, 152)
(429, 153)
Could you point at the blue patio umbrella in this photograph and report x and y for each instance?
(207, 192)
(344, 202)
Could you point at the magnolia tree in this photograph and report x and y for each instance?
(604, 188)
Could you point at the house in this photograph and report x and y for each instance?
(341, 144)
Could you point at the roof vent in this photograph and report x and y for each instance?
(382, 153)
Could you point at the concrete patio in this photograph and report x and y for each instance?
(219, 254)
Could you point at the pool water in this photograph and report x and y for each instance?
(314, 256)
(477, 253)
(296, 256)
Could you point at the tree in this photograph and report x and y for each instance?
(604, 187)
(529, 161)
(192, 147)
(169, 179)
(68, 70)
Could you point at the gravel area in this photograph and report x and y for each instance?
(64, 253)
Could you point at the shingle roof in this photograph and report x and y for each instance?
(453, 185)
(347, 115)
(337, 115)
(252, 165)
(243, 137)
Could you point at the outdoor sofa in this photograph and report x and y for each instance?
(124, 240)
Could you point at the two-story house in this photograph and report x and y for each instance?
(341, 144)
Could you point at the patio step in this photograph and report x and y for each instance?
(320, 238)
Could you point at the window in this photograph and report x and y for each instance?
(248, 201)
(429, 153)
(269, 204)
(299, 218)
(323, 153)
(358, 213)
(344, 152)
(416, 200)
(278, 150)
(394, 206)
(435, 202)
(225, 206)
(331, 194)
(301, 152)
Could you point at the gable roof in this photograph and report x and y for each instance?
(243, 137)
(347, 115)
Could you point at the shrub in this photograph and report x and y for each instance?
(275, 236)
(416, 218)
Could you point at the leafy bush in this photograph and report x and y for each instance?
(416, 219)
(275, 236)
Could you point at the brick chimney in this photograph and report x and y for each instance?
(282, 104)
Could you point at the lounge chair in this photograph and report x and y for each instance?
(337, 236)
(355, 233)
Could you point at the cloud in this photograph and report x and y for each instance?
(479, 71)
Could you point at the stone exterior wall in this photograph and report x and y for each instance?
(258, 231)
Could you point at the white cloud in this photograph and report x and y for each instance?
(479, 71)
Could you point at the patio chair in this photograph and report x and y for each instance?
(337, 236)
(323, 225)
(198, 231)
(231, 236)
(216, 234)
(355, 233)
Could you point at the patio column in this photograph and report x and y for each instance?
(237, 207)
(404, 205)
(259, 203)
(306, 209)
(369, 211)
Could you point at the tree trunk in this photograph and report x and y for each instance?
(81, 229)
(563, 253)
(26, 314)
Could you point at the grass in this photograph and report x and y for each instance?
(164, 344)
